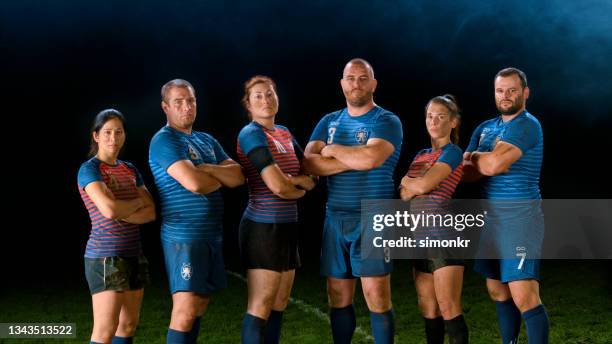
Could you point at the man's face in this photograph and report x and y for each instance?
(180, 107)
(358, 84)
(510, 96)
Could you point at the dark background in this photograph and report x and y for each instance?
(63, 62)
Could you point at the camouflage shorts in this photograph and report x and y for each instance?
(116, 273)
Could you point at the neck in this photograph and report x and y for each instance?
(507, 118)
(108, 158)
(360, 110)
(439, 142)
(265, 122)
(182, 130)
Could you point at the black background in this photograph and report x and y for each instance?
(64, 62)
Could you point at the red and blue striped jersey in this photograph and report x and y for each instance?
(436, 201)
(110, 237)
(263, 205)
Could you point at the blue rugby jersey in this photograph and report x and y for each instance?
(264, 206)
(347, 189)
(522, 179)
(185, 215)
(109, 237)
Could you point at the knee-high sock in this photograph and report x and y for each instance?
(122, 340)
(177, 337)
(195, 330)
(457, 330)
(536, 321)
(343, 324)
(434, 330)
(252, 329)
(383, 326)
(273, 327)
(509, 318)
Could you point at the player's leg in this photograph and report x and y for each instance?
(336, 265)
(129, 316)
(262, 286)
(508, 315)
(526, 295)
(426, 297)
(340, 293)
(448, 283)
(273, 326)
(377, 292)
(106, 309)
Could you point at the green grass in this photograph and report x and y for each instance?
(576, 294)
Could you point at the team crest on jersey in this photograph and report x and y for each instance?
(186, 271)
(361, 135)
(193, 154)
(279, 146)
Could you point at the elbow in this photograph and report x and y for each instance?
(491, 169)
(109, 212)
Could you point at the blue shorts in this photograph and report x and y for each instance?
(195, 266)
(508, 270)
(341, 251)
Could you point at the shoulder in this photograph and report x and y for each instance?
(387, 116)
(165, 134)
(528, 120)
(92, 163)
(332, 116)
(249, 129)
(453, 149)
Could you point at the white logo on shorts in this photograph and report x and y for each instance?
(186, 271)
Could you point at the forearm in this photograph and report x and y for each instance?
(205, 183)
(229, 175)
(317, 165)
(405, 194)
(484, 163)
(120, 209)
(359, 158)
(303, 181)
(143, 215)
(418, 186)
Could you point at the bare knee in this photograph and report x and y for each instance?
(184, 312)
(428, 306)
(525, 301)
(127, 327)
(498, 291)
(377, 293)
(340, 294)
(449, 308)
(104, 331)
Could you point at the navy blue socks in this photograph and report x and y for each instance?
(273, 327)
(343, 324)
(252, 329)
(383, 326)
(509, 318)
(536, 321)
(434, 330)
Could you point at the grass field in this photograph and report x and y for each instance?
(577, 294)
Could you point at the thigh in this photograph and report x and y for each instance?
(130, 309)
(448, 282)
(106, 306)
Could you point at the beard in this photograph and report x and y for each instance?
(358, 101)
(516, 106)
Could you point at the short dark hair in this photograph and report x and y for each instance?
(175, 83)
(512, 71)
(101, 118)
(449, 102)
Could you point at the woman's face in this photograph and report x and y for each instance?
(439, 121)
(111, 137)
(263, 101)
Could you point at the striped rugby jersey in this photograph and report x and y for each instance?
(186, 216)
(522, 179)
(436, 201)
(110, 237)
(264, 206)
(347, 189)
